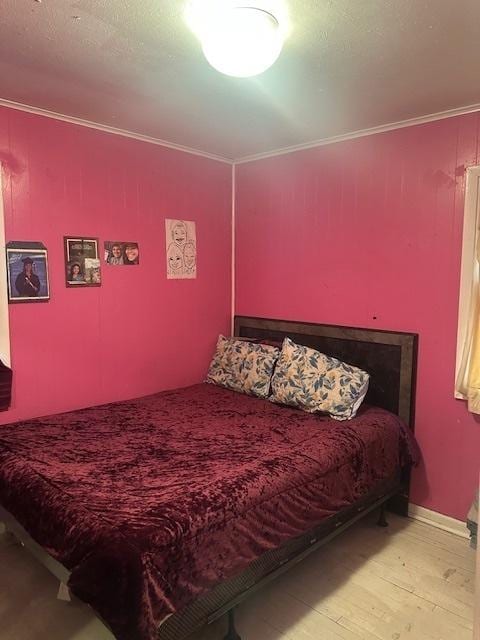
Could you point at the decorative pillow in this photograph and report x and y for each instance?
(243, 366)
(312, 381)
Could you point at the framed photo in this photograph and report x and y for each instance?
(82, 264)
(27, 272)
(121, 253)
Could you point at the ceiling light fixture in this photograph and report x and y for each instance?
(240, 40)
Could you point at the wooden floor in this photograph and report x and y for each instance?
(409, 581)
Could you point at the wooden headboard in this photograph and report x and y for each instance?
(390, 357)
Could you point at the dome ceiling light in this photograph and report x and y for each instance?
(240, 40)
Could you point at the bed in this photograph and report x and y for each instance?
(164, 512)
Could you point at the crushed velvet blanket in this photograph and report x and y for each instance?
(151, 502)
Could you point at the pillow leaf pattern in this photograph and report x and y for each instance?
(313, 381)
(243, 366)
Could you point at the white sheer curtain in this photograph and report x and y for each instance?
(467, 385)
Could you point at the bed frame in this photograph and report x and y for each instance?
(390, 358)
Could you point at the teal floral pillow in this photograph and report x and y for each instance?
(243, 366)
(312, 381)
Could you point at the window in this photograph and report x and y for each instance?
(467, 377)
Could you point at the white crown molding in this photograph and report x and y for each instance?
(441, 115)
(361, 133)
(438, 520)
(9, 104)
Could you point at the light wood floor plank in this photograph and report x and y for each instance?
(454, 592)
(407, 582)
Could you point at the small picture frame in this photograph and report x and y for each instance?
(121, 253)
(82, 264)
(27, 272)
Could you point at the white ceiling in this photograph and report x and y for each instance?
(347, 65)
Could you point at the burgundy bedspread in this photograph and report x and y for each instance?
(151, 502)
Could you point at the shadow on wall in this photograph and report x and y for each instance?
(10, 165)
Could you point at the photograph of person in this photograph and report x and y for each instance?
(82, 265)
(92, 270)
(75, 273)
(114, 255)
(121, 253)
(132, 255)
(27, 283)
(27, 273)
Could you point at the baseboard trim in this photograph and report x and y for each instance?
(438, 520)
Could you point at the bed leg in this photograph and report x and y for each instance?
(382, 520)
(64, 593)
(232, 632)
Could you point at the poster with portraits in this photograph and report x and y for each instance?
(121, 253)
(181, 243)
(82, 264)
(27, 272)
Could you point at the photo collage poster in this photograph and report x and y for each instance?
(82, 264)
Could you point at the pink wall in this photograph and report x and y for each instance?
(368, 233)
(138, 332)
